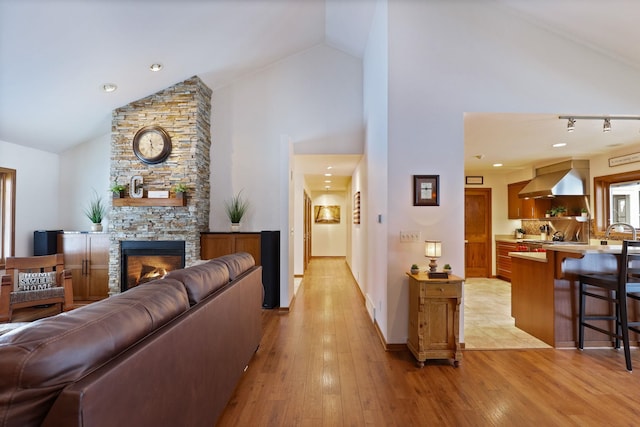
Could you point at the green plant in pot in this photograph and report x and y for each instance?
(415, 269)
(559, 210)
(96, 212)
(181, 190)
(118, 190)
(236, 208)
(447, 268)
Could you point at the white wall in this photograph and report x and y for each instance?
(330, 239)
(84, 168)
(374, 167)
(38, 190)
(315, 98)
(448, 58)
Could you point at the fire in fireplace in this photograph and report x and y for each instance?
(145, 260)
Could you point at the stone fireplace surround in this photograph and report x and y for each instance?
(184, 110)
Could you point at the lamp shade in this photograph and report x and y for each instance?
(432, 248)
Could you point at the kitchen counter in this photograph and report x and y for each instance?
(544, 291)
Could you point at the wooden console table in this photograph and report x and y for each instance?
(434, 318)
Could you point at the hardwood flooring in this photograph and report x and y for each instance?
(322, 364)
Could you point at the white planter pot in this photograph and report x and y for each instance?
(96, 227)
(235, 227)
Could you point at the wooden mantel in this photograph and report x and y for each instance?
(145, 201)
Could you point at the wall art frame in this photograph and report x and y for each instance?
(426, 190)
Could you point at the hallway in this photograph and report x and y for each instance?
(322, 363)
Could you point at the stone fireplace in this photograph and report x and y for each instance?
(184, 111)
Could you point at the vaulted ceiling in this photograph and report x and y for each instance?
(55, 55)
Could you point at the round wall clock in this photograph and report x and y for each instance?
(152, 144)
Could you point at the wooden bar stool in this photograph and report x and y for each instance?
(619, 287)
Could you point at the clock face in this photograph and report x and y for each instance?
(152, 144)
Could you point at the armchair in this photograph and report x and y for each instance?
(35, 289)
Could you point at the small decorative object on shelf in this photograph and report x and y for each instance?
(135, 188)
(447, 269)
(584, 212)
(181, 190)
(559, 211)
(548, 214)
(415, 269)
(519, 233)
(118, 190)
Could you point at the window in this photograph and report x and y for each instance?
(7, 213)
(617, 199)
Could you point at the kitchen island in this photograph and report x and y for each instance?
(544, 292)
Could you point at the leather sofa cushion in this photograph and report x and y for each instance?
(201, 280)
(37, 361)
(237, 263)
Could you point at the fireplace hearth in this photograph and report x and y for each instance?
(145, 260)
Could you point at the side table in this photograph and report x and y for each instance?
(434, 318)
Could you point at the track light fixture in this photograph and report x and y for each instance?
(606, 127)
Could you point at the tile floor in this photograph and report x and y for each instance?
(487, 317)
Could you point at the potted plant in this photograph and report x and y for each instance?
(415, 269)
(236, 208)
(96, 212)
(447, 268)
(118, 190)
(181, 190)
(559, 211)
(519, 233)
(548, 214)
(584, 212)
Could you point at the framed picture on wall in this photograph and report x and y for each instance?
(426, 190)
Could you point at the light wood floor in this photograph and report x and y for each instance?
(322, 364)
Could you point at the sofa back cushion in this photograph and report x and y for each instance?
(237, 263)
(38, 361)
(202, 280)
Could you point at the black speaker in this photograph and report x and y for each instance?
(270, 258)
(45, 242)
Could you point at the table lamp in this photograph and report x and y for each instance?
(432, 250)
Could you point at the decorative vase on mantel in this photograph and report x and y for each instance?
(235, 227)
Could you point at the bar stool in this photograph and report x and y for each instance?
(619, 287)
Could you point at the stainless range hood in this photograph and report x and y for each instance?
(568, 178)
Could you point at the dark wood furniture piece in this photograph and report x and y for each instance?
(11, 300)
(434, 318)
(87, 256)
(216, 244)
(617, 288)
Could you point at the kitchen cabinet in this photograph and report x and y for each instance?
(87, 256)
(434, 318)
(525, 208)
(213, 245)
(503, 260)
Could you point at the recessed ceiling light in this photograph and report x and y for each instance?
(327, 181)
(329, 167)
(155, 67)
(327, 174)
(497, 165)
(559, 144)
(109, 87)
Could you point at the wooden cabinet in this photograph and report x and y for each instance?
(87, 256)
(213, 245)
(434, 318)
(503, 260)
(525, 208)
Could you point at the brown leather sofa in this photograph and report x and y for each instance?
(166, 353)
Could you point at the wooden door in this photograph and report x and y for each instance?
(74, 248)
(97, 267)
(477, 232)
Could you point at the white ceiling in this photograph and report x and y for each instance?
(56, 54)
